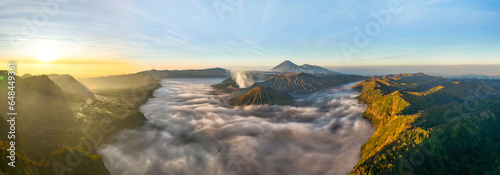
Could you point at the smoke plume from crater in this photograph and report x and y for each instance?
(242, 79)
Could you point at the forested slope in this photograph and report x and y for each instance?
(431, 125)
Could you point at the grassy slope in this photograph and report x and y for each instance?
(426, 125)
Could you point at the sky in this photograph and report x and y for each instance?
(95, 37)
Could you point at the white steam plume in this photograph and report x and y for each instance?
(242, 79)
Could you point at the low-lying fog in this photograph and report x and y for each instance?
(190, 131)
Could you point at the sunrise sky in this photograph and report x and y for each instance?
(96, 37)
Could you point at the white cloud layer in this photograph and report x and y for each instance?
(190, 131)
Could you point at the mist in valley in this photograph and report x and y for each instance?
(191, 131)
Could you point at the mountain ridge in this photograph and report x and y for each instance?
(70, 85)
(146, 78)
(289, 67)
(419, 116)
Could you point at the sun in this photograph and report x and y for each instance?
(46, 54)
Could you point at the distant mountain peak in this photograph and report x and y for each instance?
(284, 64)
(290, 67)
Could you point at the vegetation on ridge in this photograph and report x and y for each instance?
(430, 125)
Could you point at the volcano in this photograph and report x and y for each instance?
(302, 82)
(260, 96)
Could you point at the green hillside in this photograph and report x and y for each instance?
(431, 125)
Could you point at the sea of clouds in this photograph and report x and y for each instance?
(191, 131)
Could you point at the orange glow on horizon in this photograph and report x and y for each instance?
(78, 68)
(94, 67)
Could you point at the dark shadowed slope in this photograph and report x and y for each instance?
(260, 96)
(42, 102)
(44, 121)
(71, 85)
(52, 126)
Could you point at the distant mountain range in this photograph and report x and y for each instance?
(290, 67)
(303, 82)
(145, 78)
(474, 76)
(274, 87)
